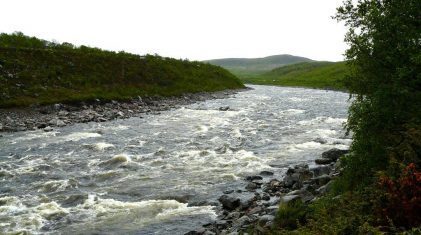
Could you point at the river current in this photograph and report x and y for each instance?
(161, 174)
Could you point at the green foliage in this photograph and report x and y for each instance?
(385, 82)
(36, 71)
(246, 67)
(325, 75)
(290, 215)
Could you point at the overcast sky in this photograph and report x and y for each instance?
(193, 29)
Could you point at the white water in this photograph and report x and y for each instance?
(137, 176)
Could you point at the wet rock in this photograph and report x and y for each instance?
(254, 177)
(323, 161)
(266, 218)
(266, 173)
(233, 215)
(324, 188)
(48, 129)
(245, 220)
(320, 140)
(258, 182)
(334, 154)
(56, 122)
(228, 191)
(251, 186)
(255, 210)
(74, 200)
(321, 170)
(273, 210)
(290, 198)
(228, 202)
(321, 180)
(199, 231)
(265, 197)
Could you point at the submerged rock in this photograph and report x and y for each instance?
(224, 108)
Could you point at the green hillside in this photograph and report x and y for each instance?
(34, 71)
(326, 75)
(245, 67)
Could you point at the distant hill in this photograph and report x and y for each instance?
(35, 71)
(244, 67)
(308, 74)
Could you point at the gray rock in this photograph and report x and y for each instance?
(251, 186)
(229, 191)
(320, 140)
(48, 129)
(266, 173)
(245, 220)
(258, 182)
(273, 210)
(254, 177)
(289, 198)
(255, 210)
(321, 180)
(57, 122)
(334, 154)
(323, 161)
(320, 170)
(233, 215)
(228, 202)
(266, 218)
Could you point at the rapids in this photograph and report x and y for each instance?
(161, 174)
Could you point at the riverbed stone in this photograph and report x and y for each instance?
(251, 186)
(229, 202)
(334, 154)
(323, 161)
(266, 173)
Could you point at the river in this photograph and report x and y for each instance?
(161, 174)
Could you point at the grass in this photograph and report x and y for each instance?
(34, 71)
(322, 75)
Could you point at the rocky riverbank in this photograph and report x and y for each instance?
(256, 213)
(59, 115)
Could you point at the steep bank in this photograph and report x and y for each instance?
(35, 71)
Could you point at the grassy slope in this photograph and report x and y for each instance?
(244, 67)
(308, 74)
(51, 73)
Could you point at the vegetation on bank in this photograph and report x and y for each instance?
(246, 67)
(379, 189)
(323, 75)
(35, 71)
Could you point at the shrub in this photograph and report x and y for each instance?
(401, 202)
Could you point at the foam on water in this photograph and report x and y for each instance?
(128, 166)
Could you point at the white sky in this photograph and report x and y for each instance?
(193, 29)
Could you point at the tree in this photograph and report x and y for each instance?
(385, 81)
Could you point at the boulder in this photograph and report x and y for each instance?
(254, 177)
(323, 161)
(48, 129)
(320, 170)
(251, 186)
(228, 202)
(290, 198)
(56, 122)
(266, 173)
(334, 154)
(321, 180)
